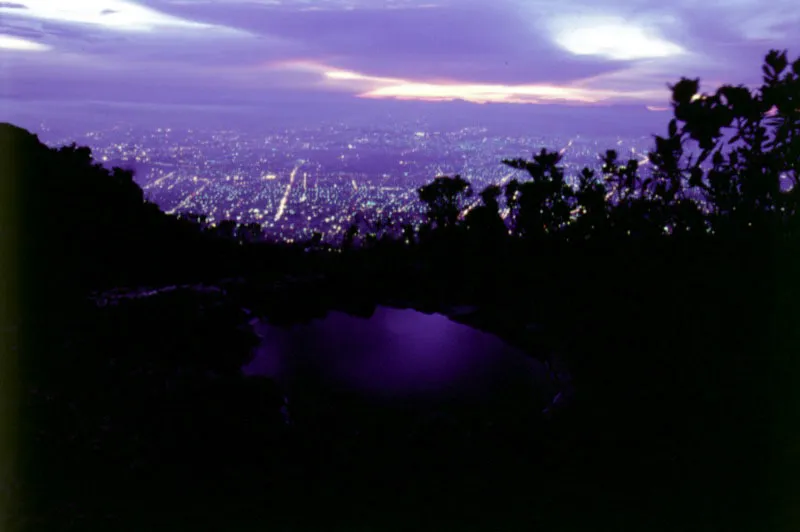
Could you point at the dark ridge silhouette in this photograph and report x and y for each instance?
(663, 298)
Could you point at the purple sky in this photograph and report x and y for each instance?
(211, 51)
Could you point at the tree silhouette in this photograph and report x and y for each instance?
(445, 198)
(349, 237)
(742, 181)
(248, 233)
(409, 234)
(484, 221)
(543, 206)
(227, 229)
(592, 211)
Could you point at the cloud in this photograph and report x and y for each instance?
(11, 42)
(509, 42)
(119, 15)
(122, 32)
(535, 51)
(464, 42)
(492, 93)
(314, 5)
(379, 87)
(611, 37)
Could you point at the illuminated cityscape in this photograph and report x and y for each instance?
(297, 182)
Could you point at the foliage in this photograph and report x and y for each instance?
(727, 166)
(445, 198)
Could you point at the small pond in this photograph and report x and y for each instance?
(401, 356)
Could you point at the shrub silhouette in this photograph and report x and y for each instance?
(739, 179)
(543, 205)
(484, 220)
(444, 198)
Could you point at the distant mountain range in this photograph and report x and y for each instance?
(287, 111)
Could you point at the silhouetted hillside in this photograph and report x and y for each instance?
(79, 225)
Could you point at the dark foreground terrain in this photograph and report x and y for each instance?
(139, 420)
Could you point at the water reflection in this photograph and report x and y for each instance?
(399, 354)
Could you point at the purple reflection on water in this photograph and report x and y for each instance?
(396, 353)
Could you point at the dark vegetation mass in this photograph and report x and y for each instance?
(671, 295)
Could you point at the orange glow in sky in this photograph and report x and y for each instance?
(379, 87)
